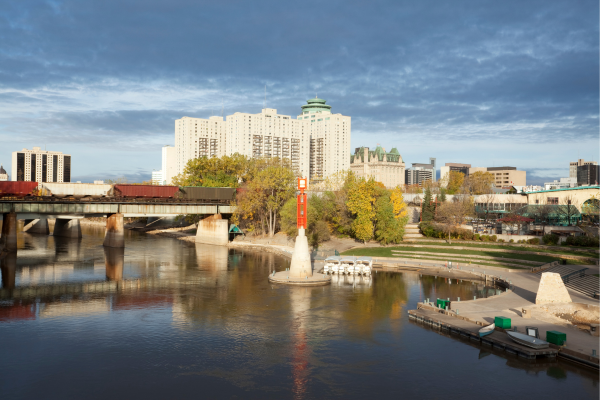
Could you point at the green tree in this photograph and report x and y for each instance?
(226, 171)
(427, 211)
(389, 226)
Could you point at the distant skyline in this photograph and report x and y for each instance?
(485, 83)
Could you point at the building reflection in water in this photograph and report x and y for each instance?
(8, 267)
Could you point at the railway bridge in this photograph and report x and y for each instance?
(212, 230)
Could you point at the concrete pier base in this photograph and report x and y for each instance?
(8, 240)
(300, 265)
(213, 230)
(114, 257)
(67, 228)
(37, 226)
(300, 272)
(115, 232)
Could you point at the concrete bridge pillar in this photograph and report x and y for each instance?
(114, 258)
(36, 226)
(68, 228)
(115, 232)
(213, 230)
(8, 240)
(8, 267)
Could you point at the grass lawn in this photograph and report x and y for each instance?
(598, 275)
(465, 262)
(387, 252)
(479, 245)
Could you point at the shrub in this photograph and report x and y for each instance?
(534, 241)
(511, 241)
(476, 236)
(493, 238)
(585, 241)
(485, 238)
(465, 234)
(550, 239)
(500, 240)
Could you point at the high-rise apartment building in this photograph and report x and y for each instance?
(3, 174)
(198, 137)
(329, 139)
(387, 168)
(169, 164)
(573, 166)
(269, 134)
(39, 165)
(316, 142)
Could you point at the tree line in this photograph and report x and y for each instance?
(347, 206)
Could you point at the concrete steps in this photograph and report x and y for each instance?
(562, 270)
(412, 231)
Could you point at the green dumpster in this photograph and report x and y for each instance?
(556, 337)
(502, 322)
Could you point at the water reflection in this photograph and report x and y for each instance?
(114, 259)
(168, 317)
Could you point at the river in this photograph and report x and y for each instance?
(199, 321)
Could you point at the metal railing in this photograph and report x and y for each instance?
(578, 273)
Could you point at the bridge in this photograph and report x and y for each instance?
(211, 230)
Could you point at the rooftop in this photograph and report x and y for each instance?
(564, 189)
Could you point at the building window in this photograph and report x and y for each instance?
(553, 200)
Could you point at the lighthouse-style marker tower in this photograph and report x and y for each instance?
(301, 270)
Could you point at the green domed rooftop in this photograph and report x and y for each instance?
(315, 105)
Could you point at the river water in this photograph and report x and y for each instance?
(198, 321)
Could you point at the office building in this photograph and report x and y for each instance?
(317, 142)
(3, 174)
(387, 168)
(587, 175)
(445, 171)
(581, 162)
(563, 183)
(420, 173)
(39, 165)
(508, 176)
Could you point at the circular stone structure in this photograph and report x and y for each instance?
(314, 280)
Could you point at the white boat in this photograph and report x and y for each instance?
(330, 262)
(347, 264)
(364, 265)
(486, 330)
(526, 340)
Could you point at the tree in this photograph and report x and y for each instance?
(413, 189)
(442, 195)
(591, 208)
(452, 214)
(480, 182)
(427, 211)
(226, 171)
(456, 180)
(265, 195)
(391, 216)
(361, 200)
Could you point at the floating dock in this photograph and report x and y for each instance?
(467, 329)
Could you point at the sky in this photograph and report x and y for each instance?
(487, 83)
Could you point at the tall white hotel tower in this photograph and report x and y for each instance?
(317, 142)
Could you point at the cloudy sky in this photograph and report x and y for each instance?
(487, 83)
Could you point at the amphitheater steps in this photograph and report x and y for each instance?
(412, 232)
